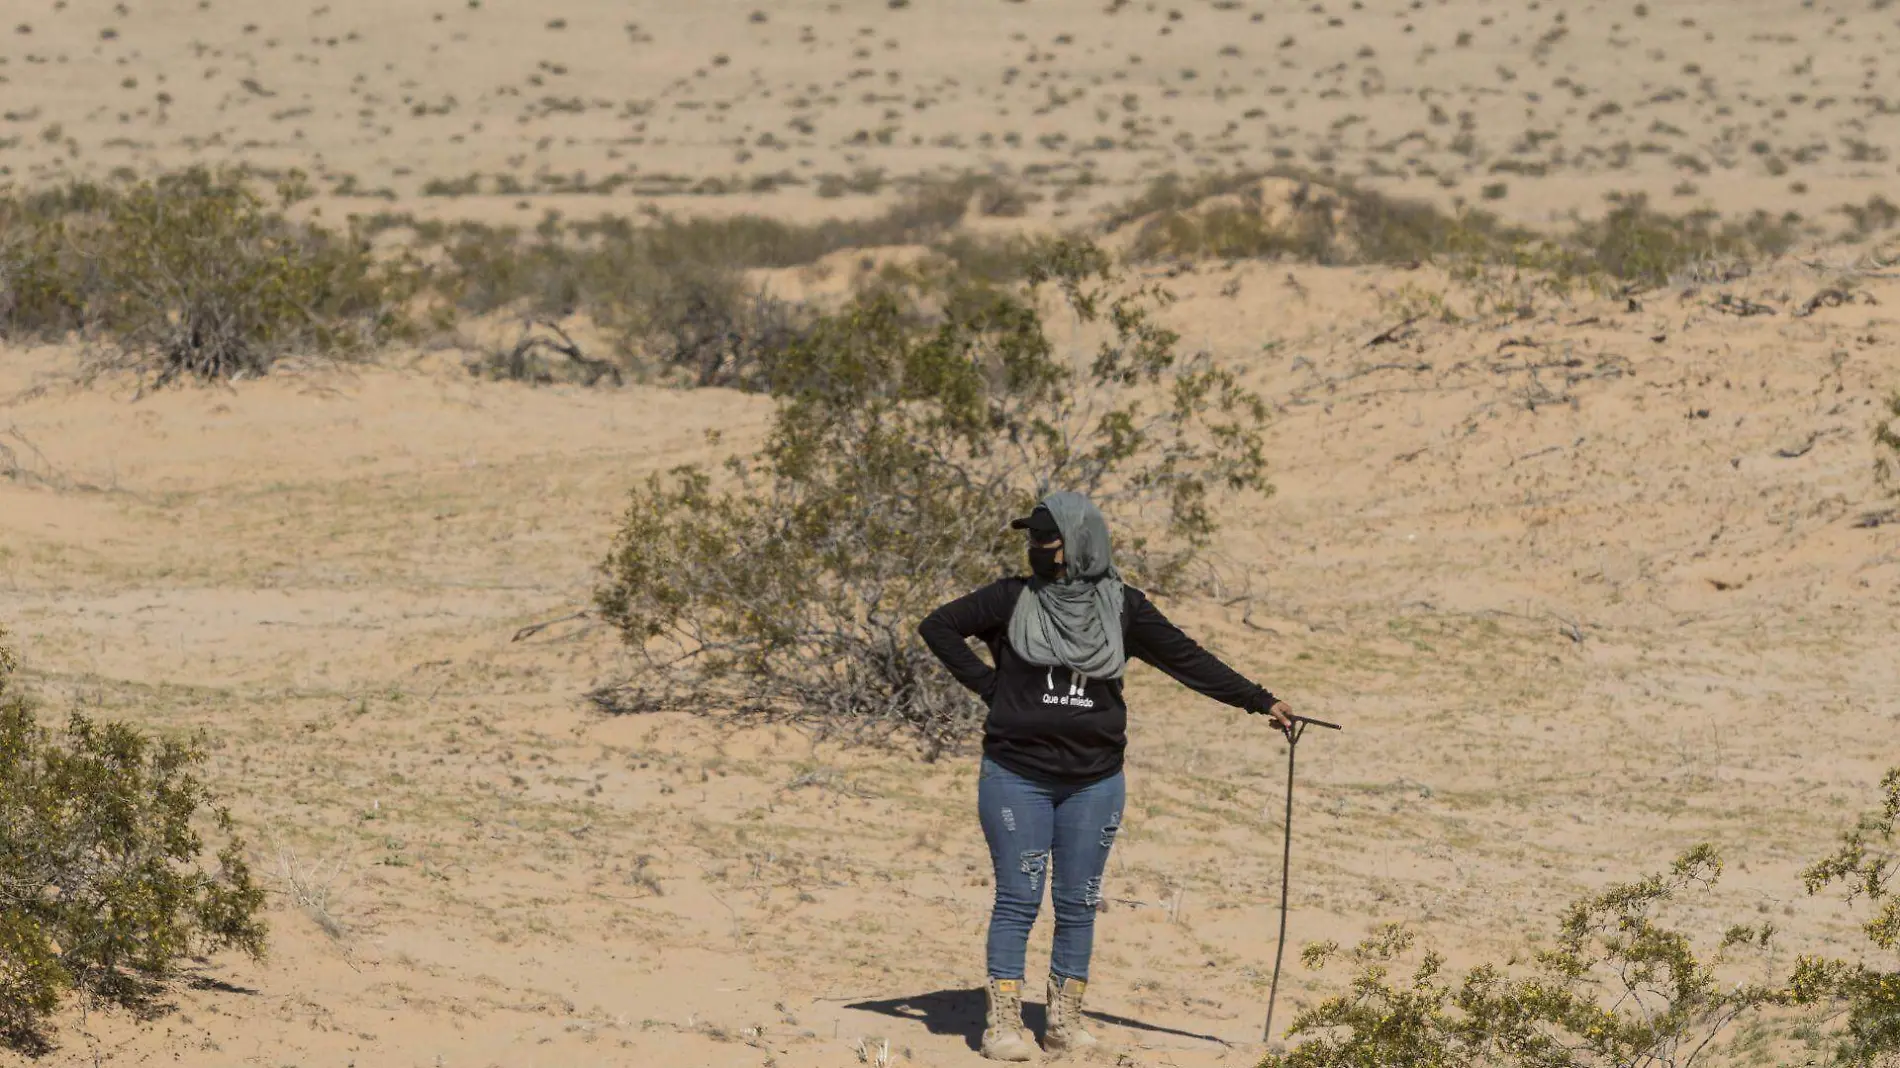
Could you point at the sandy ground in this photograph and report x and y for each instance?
(1573, 623)
(1587, 589)
(1530, 109)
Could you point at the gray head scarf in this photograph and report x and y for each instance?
(1076, 622)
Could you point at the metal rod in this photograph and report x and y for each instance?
(1286, 877)
(1300, 723)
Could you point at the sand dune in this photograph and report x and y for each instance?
(1587, 588)
(1574, 626)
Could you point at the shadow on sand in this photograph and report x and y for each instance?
(960, 1012)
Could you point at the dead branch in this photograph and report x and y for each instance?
(1391, 334)
(517, 362)
(1415, 368)
(1795, 452)
(536, 628)
(1549, 365)
(41, 471)
(1535, 455)
(1826, 298)
(1740, 306)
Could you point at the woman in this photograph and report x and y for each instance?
(1050, 790)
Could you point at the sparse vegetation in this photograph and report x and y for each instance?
(1620, 985)
(1294, 215)
(530, 358)
(1291, 214)
(671, 291)
(1623, 985)
(194, 275)
(102, 892)
(671, 294)
(1600, 581)
(903, 431)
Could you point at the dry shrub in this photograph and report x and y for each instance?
(903, 433)
(615, 262)
(532, 358)
(102, 890)
(722, 335)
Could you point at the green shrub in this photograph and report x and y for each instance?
(42, 277)
(1635, 243)
(1864, 995)
(200, 278)
(101, 888)
(465, 186)
(1387, 229)
(1877, 215)
(904, 430)
(1619, 986)
(192, 275)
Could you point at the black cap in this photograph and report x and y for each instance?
(1038, 522)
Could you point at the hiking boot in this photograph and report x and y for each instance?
(1065, 1034)
(1003, 1038)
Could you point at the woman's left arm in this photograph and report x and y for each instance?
(1155, 639)
(945, 631)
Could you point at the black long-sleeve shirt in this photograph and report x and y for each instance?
(1048, 723)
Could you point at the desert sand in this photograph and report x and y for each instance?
(1586, 589)
(1734, 104)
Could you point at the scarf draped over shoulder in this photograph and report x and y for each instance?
(1076, 621)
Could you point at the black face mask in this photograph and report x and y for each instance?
(1042, 562)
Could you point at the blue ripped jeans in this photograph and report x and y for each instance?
(1037, 829)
